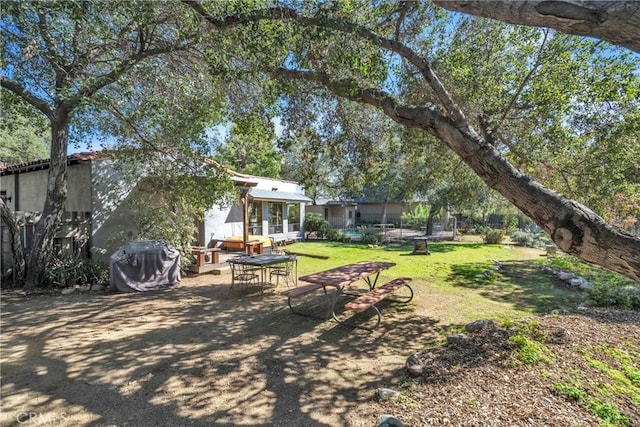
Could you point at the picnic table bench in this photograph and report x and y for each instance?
(370, 299)
(341, 277)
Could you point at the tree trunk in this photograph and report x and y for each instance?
(385, 206)
(573, 227)
(616, 22)
(47, 226)
(16, 244)
(433, 211)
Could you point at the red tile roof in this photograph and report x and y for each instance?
(8, 169)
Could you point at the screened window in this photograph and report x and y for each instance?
(275, 218)
(294, 217)
(255, 218)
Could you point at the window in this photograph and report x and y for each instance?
(294, 217)
(275, 218)
(255, 218)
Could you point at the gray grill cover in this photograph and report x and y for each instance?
(144, 266)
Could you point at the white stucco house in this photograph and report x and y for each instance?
(96, 223)
(276, 209)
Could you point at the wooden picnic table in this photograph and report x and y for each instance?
(342, 276)
(337, 278)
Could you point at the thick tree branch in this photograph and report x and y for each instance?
(23, 93)
(573, 227)
(617, 22)
(404, 51)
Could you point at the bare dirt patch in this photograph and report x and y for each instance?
(199, 356)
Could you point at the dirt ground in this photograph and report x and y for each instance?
(200, 356)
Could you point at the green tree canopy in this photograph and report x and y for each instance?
(366, 52)
(23, 131)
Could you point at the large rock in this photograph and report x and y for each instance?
(456, 339)
(479, 325)
(414, 365)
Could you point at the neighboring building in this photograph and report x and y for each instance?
(340, 214)
(96, 223)
(348, 214)
(371, 211)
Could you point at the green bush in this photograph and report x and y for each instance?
(71, 270)
(369, 235)
(523, 238)
(625, 297)
(494, 236)
(332, 234)
(417, 218)
(315, 222)
(481, 229)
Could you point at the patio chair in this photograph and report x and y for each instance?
(286, 271)
(274, 247)
(242, 275)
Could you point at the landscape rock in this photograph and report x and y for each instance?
(586, 285)
(387, 420)
(68, 291)
(388, 393)
(414, 365)
(479, 325)
(456, 339)
(84, 288)
(566, 276)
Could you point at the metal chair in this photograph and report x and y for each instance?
(286, 271)
(242, 274)
(274, 247)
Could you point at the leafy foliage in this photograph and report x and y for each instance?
(250, 148)
(370, 235)
(71, 270)
(493, 237)
(314, 222)
(23, 131)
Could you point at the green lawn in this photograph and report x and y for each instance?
(451, 284)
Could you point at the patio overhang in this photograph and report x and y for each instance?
(281, 196)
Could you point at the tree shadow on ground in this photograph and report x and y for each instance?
(520, 283)
(195, 356)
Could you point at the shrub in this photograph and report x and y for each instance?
(369, 235)
(605, 294)
(71, 270)
(417, 218)
(523, 238)
(494, 236)
(481, 229)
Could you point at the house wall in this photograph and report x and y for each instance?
(338, 216)
(27, 193)
(28, 190)
(112, 224)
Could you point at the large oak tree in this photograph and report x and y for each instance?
(61, 56)
(337, 51)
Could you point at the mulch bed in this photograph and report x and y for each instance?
(479, 382)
